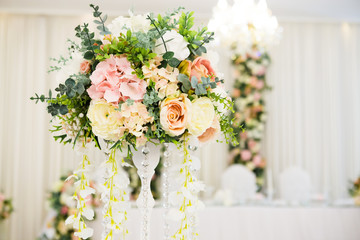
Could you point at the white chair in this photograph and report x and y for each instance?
(240, 181)
(295, 185)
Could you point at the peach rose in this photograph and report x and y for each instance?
(210, 133)
(174, 114)
(200, 67)
(85, 67)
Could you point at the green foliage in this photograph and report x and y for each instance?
(196, 39)
(62, 61)
(126, 44)
(200, 87)
(88, 43)
(225, 120)
(101, 22)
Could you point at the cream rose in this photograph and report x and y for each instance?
(174, 114)
(211, 133)
(105, 120)
(201, 116)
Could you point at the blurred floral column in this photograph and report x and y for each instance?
(247, 29)
(6, 208)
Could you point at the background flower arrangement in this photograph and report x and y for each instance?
(143, 80)
(247, 29)
(63, 205)
(6, 207)
(249, 105)
(354, 191)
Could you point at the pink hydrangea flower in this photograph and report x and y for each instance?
(113, 80)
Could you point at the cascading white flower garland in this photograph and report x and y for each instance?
(82, 192)
(186, 197)
(115, 198)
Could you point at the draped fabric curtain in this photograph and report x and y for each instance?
(313, 111)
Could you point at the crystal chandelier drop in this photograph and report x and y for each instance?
(244, 24)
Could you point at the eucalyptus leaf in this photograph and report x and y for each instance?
(182, 77)
(168, 55)
(194, 81)
(70, 82)
(174, 62)
(88, 55)
(63, 109)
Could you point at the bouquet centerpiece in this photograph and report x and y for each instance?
(143, 80)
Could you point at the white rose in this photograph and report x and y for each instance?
(135, 23)
(175, 42)
(201, 117)
(105, 120)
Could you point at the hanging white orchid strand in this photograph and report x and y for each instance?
(82, 195)
(186, 197)
(115, 198)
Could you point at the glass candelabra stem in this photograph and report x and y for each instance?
(166, 203)
(146, 161)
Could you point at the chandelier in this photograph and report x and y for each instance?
(244, 24)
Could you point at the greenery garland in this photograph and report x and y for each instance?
(249, 106)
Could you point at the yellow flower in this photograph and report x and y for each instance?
(105, 120)
(201, 116)
(185, 67)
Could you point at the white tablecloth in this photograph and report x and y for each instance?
(261, 223)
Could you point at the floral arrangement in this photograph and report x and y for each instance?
(249, 105)
(354, 191)
(145, 78)
(6, 207)
(248, 29)
(63, 205)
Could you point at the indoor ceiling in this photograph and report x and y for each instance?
(343, 10)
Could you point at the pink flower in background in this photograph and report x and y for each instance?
(85, 67)
(257, 160)
(2, 197)
(64, 210)
(236, 93)
(243, 135)
(113, 80)
(260, 84)
(257, 96)
(251, 144)
(260, 71)
(245, 155)
(253, 81)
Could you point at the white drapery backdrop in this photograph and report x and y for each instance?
(313, 111)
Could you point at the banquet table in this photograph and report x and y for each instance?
(260, 223)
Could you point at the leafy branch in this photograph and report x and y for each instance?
(101, 24)
(88, 43)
